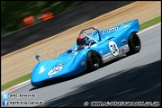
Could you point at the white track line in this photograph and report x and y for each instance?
(28, 81)
(20, 85)
(149, 28)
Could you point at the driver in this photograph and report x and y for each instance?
(82, 41)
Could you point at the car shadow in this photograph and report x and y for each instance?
(142, 84)
(59, 80)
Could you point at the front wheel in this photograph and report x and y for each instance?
(134, 44)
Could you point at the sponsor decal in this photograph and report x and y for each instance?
(123, 41)
(106, 55)
(126, 26)
(110, 29)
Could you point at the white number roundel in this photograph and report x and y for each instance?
(114, 48)
(55, 70)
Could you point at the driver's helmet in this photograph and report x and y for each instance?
(81, 41)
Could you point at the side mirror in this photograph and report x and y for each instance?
(37, 57)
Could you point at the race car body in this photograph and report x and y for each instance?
(101, 47)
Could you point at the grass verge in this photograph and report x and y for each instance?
(16, 81)
(27, 77)
(150, 22)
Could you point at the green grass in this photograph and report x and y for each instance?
(27, 77)
(16, 81)
(150, 22)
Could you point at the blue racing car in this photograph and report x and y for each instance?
(93, 48)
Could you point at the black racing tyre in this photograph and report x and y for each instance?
(134, 44)
(93, 61)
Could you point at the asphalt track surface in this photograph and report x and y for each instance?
(132, 78)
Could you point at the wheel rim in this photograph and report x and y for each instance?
(94, 60)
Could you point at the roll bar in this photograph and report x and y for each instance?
(95, 29)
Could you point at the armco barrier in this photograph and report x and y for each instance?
(59, 23)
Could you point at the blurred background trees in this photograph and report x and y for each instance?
(12, 12)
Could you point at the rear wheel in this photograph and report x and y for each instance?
(93, 61)
(134, 44)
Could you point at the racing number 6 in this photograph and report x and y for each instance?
(114, 48)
